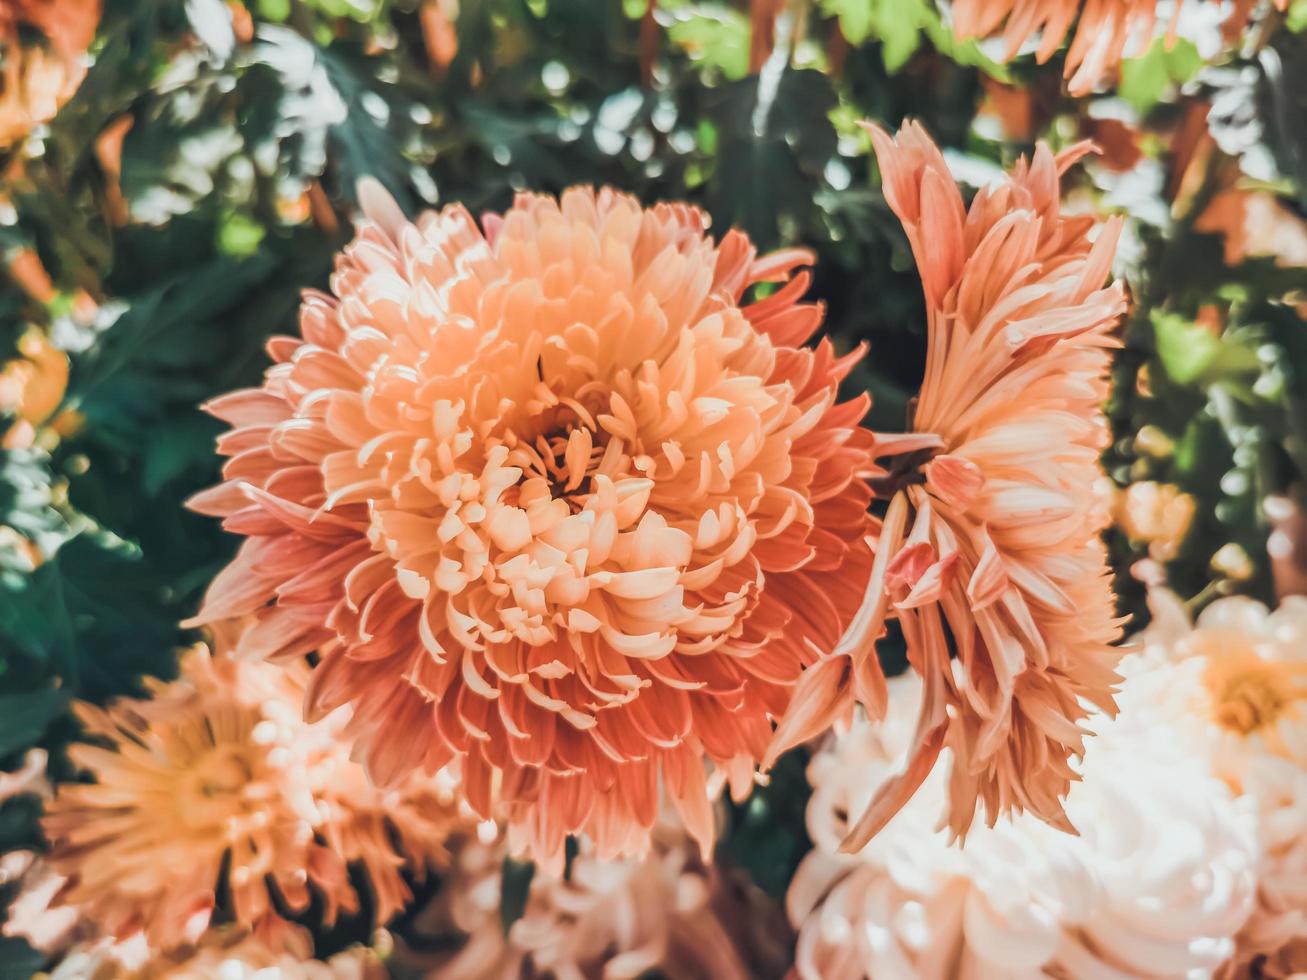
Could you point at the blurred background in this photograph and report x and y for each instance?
(172, 174)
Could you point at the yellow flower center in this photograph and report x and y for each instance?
(1249, 693)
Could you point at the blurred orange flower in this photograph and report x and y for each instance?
(214, 782)
(1156, 514)
(617, 919)
(35, 82)
(553, 500)
(1105, 31)
(32, 386)
(1002, 565)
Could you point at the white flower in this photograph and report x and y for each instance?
(1157, 883)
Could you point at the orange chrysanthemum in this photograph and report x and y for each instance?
(214, 781)
(1003, 567)
(1105, 31)
(554, 501)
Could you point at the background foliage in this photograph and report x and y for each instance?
(161, 226)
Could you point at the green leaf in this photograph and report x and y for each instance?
(239, 235)
(1191, 353)
(1145, 79)
(1296, 18)
(25, 717)
(899, 25)
(857, 18)
(18, 960)
(1184, 348)
(715, 35)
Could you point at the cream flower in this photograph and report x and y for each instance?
(1156, 885)
(1235, 684)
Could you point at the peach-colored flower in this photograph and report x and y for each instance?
(1106, 30)
(619, 919)
(1235, 682)
(215, 781)
(553, 500)
(1156, 886)
(1003, 564)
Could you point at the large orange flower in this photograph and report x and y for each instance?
(1105, 30)
(553, 500)
(1001, 584)
(215, 783)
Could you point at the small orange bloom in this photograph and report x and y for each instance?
(1000, 584)
(553, 500)
(214, 781)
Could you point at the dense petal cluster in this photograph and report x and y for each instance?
(990, 547)
(618, 919)
(1157, 884)
(1104, 30)
(214, 783)
(1235, 683)
(554, 501)
(36, 79)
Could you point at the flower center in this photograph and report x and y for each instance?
(567, 449)
(216, 787)
(1249, 693)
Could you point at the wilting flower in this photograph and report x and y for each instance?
(612, 919)
(1106, 30)
(1235, 684)
(554, 501)
(1156, 885)
(214, 782)
(34, 81)
(227, 954)
(1002, 563)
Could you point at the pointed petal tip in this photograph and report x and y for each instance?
(379, 206)
(823, 691)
